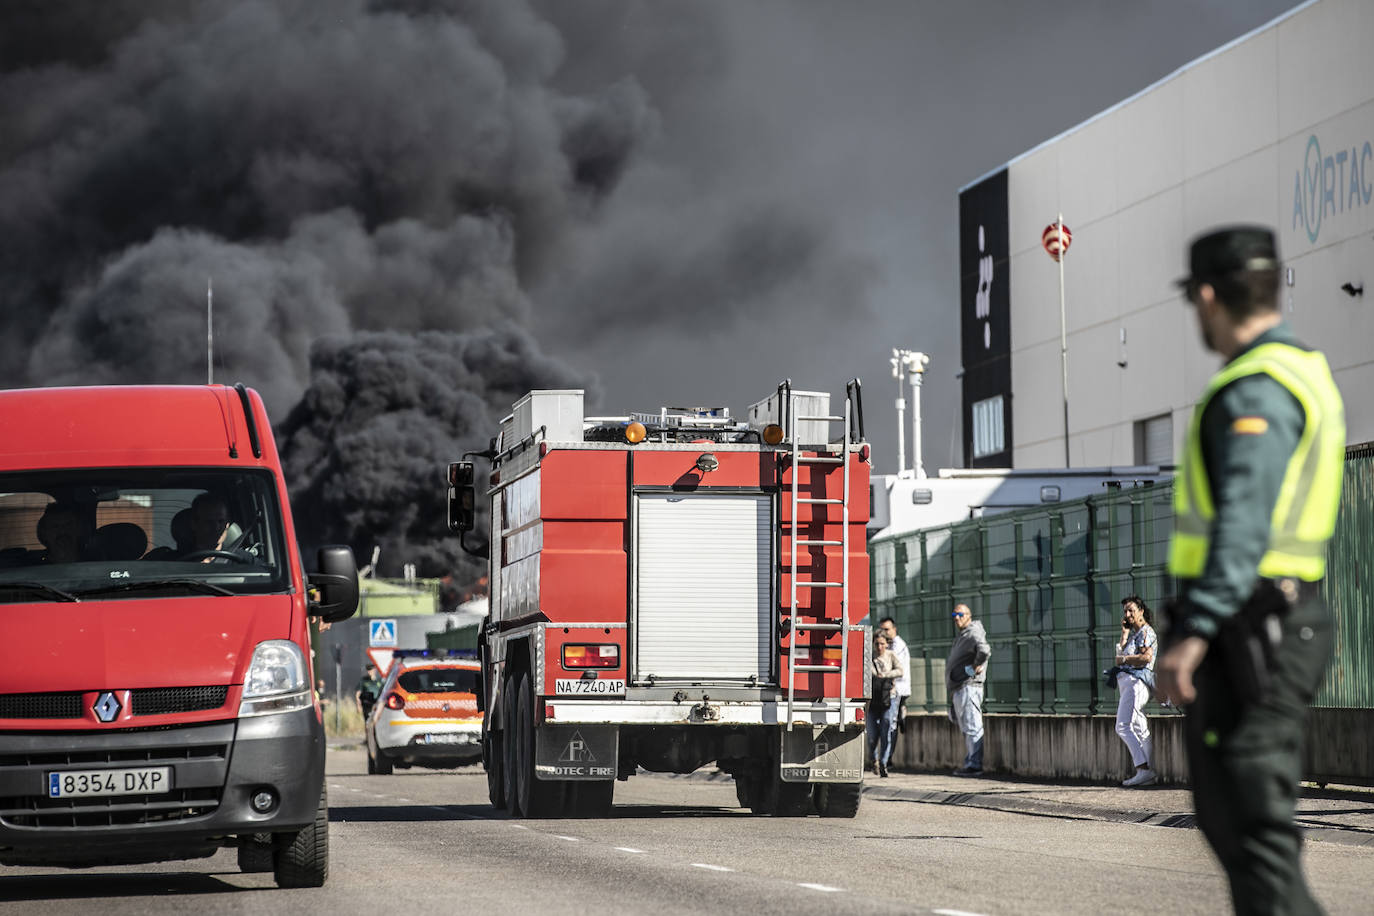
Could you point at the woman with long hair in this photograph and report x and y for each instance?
(1135, 679)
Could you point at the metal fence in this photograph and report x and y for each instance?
(1047, 584)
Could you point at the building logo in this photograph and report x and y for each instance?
(982, 301)
(1325, 187)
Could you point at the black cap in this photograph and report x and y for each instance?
(1229, 250)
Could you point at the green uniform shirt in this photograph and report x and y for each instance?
(1245, 469)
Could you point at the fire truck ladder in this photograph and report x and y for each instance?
(849, 438)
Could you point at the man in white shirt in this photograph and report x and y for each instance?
(903, 684)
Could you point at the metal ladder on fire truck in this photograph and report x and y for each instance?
(852, 418)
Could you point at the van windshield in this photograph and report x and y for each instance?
(139, 533)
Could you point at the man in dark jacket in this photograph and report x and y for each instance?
(1255, 503)
(965, 674)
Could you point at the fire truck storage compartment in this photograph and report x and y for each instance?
(704, 603)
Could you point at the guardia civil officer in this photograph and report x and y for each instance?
(1255, 502)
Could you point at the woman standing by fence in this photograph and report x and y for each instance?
(1135, 679)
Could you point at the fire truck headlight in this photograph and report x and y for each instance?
(635, 432)
(772, 434)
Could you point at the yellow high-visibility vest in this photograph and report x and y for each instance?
(1305, 513)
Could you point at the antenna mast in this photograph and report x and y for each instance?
(209, 331)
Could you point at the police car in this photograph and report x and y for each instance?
(426, 714)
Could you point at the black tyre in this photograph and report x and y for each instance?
(301, 859)
(509, 752)
(781, 799)
(494, 760)
(382, 764)
(537, 798)
(590, 799)
(371, 762)
(745, 790)
(255, 853)
(834, 799)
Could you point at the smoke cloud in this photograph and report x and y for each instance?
(399, 204)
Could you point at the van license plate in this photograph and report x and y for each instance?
(602, 686)
(137, 781)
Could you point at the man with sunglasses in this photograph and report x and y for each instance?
(1255, 502)
(965, 674)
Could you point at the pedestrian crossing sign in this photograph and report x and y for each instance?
(381, 632)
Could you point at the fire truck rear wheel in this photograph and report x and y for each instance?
(494, 760)
(746, 789)
(591, 799)
(772, 796)
(537, 797)
(509, 758)
(838, 799)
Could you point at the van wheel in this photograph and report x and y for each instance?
(591, 799)
(834, 799)
(301, 859)
(371, 763)
(494, 761)
(255, 853)
(536, 797)
(381, 764)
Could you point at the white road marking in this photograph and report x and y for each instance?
(629, 849)
(570, 839)
(820, 887)
(711, 867)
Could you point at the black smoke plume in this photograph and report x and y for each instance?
(400, 205)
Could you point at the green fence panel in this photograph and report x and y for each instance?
(1047, 583)
(1349, 681)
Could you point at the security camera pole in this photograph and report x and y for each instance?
(914, 363)
(915, 373)
(898, 360)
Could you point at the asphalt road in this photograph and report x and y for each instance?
(426, 841)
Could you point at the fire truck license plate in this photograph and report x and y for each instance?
(602, 686)
(140, 781)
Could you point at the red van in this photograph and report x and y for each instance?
(156, 696)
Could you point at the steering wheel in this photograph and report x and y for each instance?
(214, 554)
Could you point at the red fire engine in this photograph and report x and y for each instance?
(672, 589)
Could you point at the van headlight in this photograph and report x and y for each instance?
(276, 680)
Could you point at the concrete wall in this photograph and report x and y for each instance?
(1086, 747)
(1271, 129)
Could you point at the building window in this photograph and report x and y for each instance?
(987, 427)
(1154, 440)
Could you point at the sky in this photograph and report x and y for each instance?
(412, 211)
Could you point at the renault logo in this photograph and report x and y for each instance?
(106, 707)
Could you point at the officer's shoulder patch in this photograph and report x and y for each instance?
(1250, 426)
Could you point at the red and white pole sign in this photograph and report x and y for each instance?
(1056, 238)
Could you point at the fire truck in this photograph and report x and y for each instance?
(670, 589)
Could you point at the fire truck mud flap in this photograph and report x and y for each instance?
(822, 753)
(583, 752)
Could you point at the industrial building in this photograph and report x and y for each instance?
(1277, 128)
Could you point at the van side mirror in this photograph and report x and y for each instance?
(462, 497)
(336, 584)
